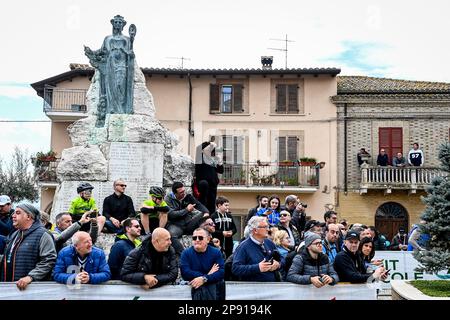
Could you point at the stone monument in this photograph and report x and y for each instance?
(120, 138)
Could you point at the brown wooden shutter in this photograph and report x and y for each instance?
(214, 98)
(292, 148)
(281, 98)
(396, 143)
(282, 149)
(391, 140)
(237, 98)
(293, 98)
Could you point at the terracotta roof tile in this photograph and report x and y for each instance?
(363, 84)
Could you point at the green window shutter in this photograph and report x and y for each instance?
(281, 98)
(293, 98)
(214, 96)
(237, 98)
(238, 150)
(292, 143)
(282, 149)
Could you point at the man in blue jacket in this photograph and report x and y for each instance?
(81, 262)
(254, 258)
(203, 266)
(123, 245)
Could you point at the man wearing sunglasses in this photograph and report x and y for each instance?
(254, 258)
(311, 266)
(184, 215)
(203, 266)
(117, 207)
(123, 244)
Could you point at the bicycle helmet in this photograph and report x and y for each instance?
(157, 191)
(84, 186)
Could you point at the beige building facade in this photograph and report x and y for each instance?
(264, 120)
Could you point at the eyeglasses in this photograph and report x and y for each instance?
(158, 198)
(263, 227)
(285, 215)
(317, 244)
(122, 185)
(199, 238)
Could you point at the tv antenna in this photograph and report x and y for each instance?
(180, 58)
(285, 49)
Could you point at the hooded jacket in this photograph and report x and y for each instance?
(119, 251)
(224, 222)
(304, 267)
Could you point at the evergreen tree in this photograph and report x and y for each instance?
(436, 257)
(16, 180)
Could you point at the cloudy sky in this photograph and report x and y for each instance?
(395, 39)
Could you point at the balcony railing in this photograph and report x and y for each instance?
(45, 171)
(64, 100)
(270, 174)
(411, 178)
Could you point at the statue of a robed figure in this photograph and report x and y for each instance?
(115, 62)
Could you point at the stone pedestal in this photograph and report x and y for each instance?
(133, 147)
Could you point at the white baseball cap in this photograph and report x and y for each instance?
(4, 199)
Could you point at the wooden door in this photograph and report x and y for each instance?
(390, 216)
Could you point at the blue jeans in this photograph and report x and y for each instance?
(111, 227)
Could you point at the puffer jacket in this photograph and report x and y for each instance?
(138, 263)
(304, 267)
(96, 266)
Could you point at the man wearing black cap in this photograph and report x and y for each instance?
(400, 240)
(350, 266)
(30, 253)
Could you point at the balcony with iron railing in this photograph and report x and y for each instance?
(62, 102)
(45, 171)
(274, 175)
(404, 178)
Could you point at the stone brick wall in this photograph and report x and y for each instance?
(362, 208)
(425, 123)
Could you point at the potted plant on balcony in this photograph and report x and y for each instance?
(307, 162)
(312, 181)
(46, 157)
(286, 163)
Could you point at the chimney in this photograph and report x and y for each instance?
(267, 62)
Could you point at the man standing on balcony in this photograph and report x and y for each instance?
(399, 160)
(415, 156)
(382, 159)
(6, 224)
(207, 166)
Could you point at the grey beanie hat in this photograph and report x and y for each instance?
(311, 238)
(30, 209)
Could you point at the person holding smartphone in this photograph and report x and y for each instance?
(350, 265)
